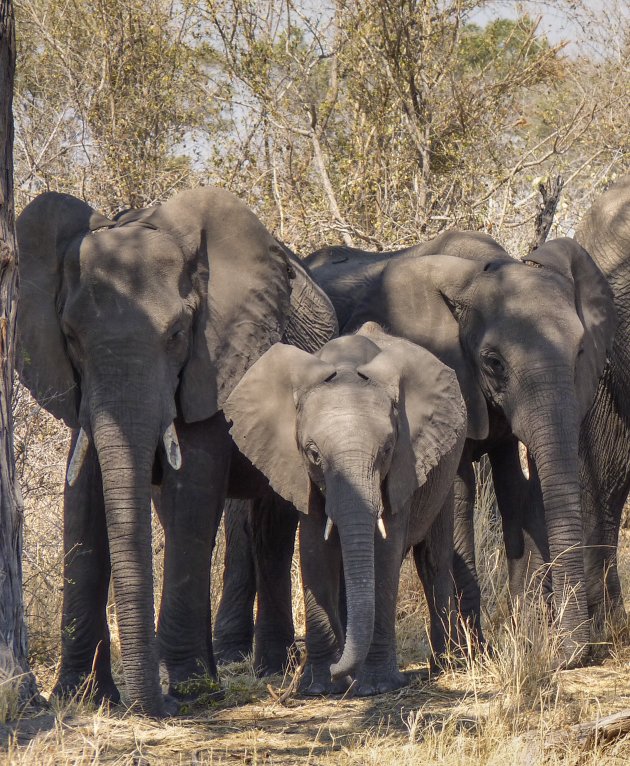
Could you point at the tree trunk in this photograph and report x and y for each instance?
(13, 642)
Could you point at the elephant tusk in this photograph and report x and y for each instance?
(78, 457)
(522, 457)
(171, 445)
(328, 530)
(381, 527)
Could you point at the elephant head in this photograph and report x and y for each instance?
(528, 340)
(361, 424)
(124, 327)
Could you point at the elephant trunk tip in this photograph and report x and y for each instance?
(339, 670)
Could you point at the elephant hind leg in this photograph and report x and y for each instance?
(433, 558)
(274, 523)
(234, 624)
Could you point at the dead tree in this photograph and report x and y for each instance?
(13, 641)
(550, 192)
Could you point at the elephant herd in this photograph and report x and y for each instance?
(196, 358)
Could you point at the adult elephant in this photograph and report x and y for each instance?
(528, 341)
(364, 438)
(134, 334)
(605, 436)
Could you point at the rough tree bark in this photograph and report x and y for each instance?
(550, 192)
(13, 641)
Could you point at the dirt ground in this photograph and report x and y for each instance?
(457, 719)
(511, 708)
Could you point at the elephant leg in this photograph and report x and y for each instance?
(274, 523)
(234, 623)
(191, 504)
(379, 673)
(467, 589)
(320, 562)
(605, 483)
(434, 563)
(520, 504)
(85, 641)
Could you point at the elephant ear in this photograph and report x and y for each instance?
(594, 303)
(431, 411)
(240, 276)
(45, 229)
(263, 411)
(423, 299)
(312, 321)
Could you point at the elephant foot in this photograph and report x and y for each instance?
(225, 653)
(74, 684)
(272, 658)
(171, 706)
(316, 681)
(373, 680)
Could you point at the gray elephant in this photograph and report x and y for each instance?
(134, 334)
(605, 436)
(528, 341)
(364, 438)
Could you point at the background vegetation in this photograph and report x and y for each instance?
(377, 123)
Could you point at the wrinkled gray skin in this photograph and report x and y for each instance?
(605, 436)
(528, 345)
(371, 427)
(124, 329)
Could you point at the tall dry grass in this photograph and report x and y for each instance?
(504, 706)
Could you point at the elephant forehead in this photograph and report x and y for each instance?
(344, 407)
(349, 351)
(519, 290)
(130, 269)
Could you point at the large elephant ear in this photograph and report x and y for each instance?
(312, 321)
(263, 411)
(45, 229)
(594, 303)
(431, 410)
(423, 299)
(241, 279)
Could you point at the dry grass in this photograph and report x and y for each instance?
(510, 707)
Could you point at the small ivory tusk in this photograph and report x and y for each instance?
(328, 530)
(381, 527)
(522, 457)
(78, 457)
(171, 445)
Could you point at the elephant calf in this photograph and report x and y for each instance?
(364, 438)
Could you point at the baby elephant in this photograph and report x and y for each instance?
(364, 438)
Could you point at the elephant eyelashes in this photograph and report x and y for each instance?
(313, 455)
(493, 364)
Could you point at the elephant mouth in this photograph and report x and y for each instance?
(380, 525)
(169, 440)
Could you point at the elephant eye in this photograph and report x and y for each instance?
(176, 336)
(313, 455)
(493, 364)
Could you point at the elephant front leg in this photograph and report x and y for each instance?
(379, 673)
(234, 623)
(520, 504)
(191, 503)
(274, 522)
(85, 641)
(434, 563)
(467, 589)
(321, 571)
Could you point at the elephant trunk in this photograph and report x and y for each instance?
(355, 511)
(553, 442)
(125, 440)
